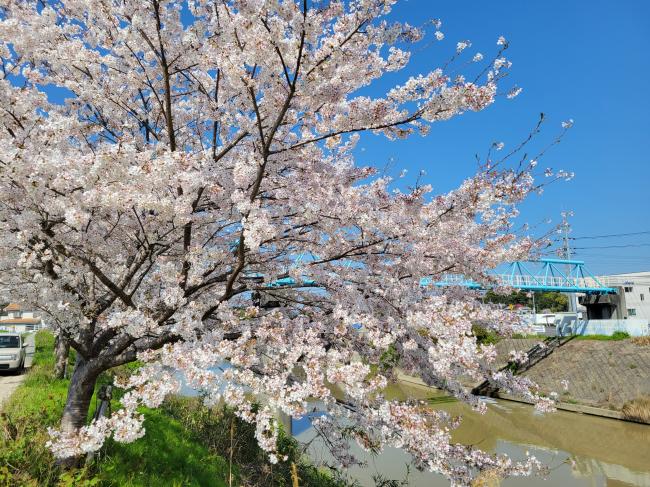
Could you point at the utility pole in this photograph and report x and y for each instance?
(573, 305)
(534, 307)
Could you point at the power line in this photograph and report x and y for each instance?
(613, 258)
(612, 246)
(611, 235)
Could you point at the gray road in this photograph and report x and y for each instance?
(9, 380)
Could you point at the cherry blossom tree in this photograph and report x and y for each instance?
(202, 162)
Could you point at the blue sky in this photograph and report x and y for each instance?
(588, 60)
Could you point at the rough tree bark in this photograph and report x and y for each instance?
(62, 351)
(80, 392)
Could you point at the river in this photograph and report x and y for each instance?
(580, 450)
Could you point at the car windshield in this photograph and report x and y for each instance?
(9, 342)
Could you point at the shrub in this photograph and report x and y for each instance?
(620, 335)
(637, 409)
(484, 336)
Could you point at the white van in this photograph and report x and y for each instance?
(12, 352)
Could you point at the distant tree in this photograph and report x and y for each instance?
(513, 298)
(553, 301)
(203, 147)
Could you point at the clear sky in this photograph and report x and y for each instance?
(588, 60)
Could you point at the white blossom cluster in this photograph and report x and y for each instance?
(195, 172)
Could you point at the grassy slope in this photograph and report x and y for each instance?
(34, 406)
(618, 335)
(179, 449)
(166, 456)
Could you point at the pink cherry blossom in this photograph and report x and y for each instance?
(196, 172)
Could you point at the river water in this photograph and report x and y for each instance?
(580, 450)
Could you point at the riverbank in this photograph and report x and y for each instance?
(186, 443)
(601, 374)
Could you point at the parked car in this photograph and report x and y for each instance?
(12, 352)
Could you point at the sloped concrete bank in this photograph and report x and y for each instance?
(602, 375)
(574, 408)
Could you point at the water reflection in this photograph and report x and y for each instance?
(604, 452)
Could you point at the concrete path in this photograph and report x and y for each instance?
(9, 381)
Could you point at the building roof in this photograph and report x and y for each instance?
(12, 307)
(20, 321)
(632, 274)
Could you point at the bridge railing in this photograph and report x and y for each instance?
(526, 281)
(531, 282)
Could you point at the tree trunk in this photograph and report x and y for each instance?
(80, 392)
(62, 351)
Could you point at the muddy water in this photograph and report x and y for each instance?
(580, 450)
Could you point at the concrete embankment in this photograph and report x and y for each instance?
(601, 374)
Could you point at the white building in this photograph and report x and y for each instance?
(634, 291)
(16, 319)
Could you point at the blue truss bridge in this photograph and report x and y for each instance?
(567, 276)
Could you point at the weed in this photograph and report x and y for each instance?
(642, 341)
(616, 336)
(637, 409)
(216, 428)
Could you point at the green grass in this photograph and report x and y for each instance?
(32, 408)
(168, 455)
(183, 446)
(220, 430)
(616, 336)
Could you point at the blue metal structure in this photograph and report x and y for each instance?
(548, 276)
(576, 278)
